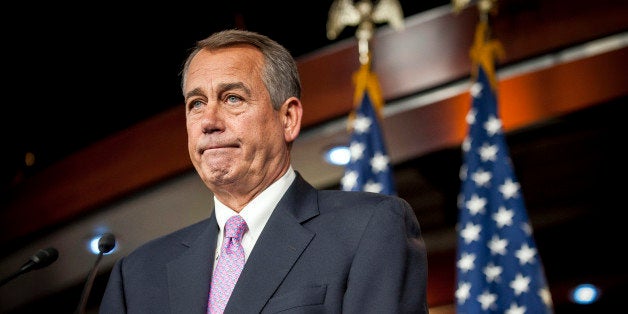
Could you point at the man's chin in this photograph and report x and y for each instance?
(217, 176)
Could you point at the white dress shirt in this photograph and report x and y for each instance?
(255, 213)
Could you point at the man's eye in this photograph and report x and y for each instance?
(196, 104)
(233, 99)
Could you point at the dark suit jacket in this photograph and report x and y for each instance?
(320, 252)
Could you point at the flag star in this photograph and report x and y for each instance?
(460, 200)
(497, 245)
(526, 228)
(476, 90)
(470, 233)
(379, 162)
(509, 189)
(466, 262)
(361, 124)
(503, 217)
(520, 284)
(492, 125)
(481, 177)
(488, 152)
(476, 204)
(492, 272)
(466, 144)
(463, 172)
(545, 295)
(374, 187)
(463, 292)
(525, 254)
(357, 150)
(470, 118)
(515, 309)
(349, 180)
(487, 300)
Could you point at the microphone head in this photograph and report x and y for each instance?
(106, 243)
(44, 257)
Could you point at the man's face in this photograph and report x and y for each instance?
(236, 140)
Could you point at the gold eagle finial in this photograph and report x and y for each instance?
(484, 6)
(363, 15)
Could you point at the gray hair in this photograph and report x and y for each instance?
(279, 71)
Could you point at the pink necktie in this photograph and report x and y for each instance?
(229, 265)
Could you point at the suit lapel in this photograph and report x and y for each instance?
(280, 244)
(192, 273)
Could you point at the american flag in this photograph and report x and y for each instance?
(499, 269)
(369, 167)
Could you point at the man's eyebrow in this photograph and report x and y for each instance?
(222, 87)
(194, 92)
(235, 85)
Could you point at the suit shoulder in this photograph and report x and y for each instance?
(361, 200)
(167, 244)
(358, 196)
(361, 208)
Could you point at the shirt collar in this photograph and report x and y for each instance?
(257, 212)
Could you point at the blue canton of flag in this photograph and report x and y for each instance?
(369, 167)
(498, 266)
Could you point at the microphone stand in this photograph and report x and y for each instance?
(105, 244)
(10, 277)
(88, 285)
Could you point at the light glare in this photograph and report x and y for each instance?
(338, 155)
(585, 294)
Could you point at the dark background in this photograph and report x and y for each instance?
(76, 74)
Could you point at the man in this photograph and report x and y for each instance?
(305, 250)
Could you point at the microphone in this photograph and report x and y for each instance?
(41, 259)
(106, 243)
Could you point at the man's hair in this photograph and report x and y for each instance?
(279, 71)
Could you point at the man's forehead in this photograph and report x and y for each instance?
(224, 66)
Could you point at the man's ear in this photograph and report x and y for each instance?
(291, 114)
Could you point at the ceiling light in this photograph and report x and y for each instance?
(585, 294)
(338, 155)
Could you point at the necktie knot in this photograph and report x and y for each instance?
(235, 227)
